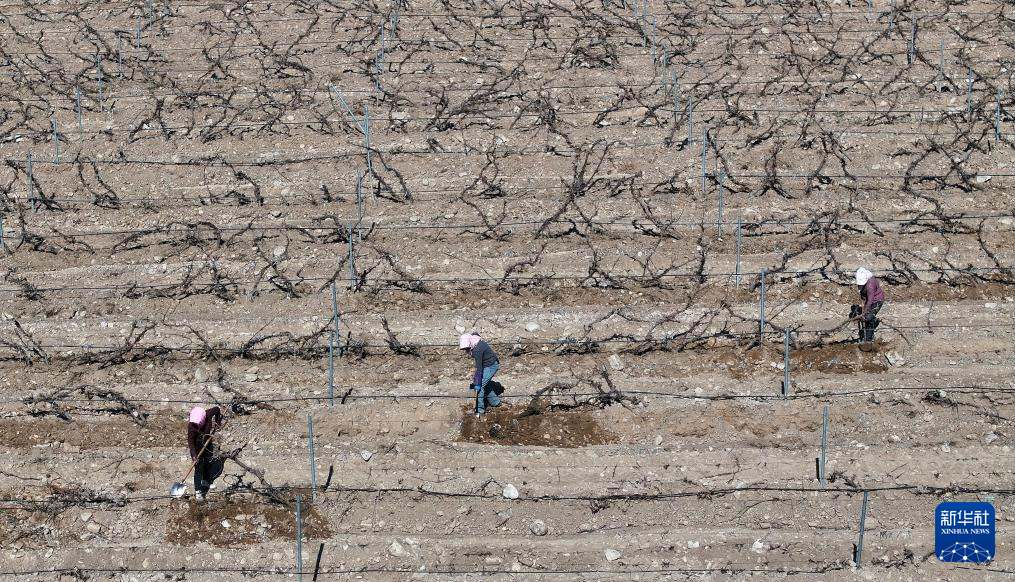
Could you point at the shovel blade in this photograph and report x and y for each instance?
(178, 489)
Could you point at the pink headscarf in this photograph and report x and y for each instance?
(197, 415)
(468, 341)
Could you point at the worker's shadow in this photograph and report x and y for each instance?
(218, 465)
(495, 387)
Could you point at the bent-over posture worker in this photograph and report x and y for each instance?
(199, 430)
(873, 297)
(487, 365)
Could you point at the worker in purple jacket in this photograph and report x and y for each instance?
(199, 430)
(487, 365)
(873, 297)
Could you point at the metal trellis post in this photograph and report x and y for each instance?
(359, 207)
(31, 181)
(334, 309)
(704, 157)
(761, 309)
(313, 462)
(675, 87)
(785, 369)
(997, 117)
(98, 76)
(739, 227)
(969, 92)
(299, 538)
(56, 141)
(941, 66)
(718, 224)
(863, 524)
(77, 107)
(366, 137)
(824, 447)
(352, 262)
(912, 43)
(654, 40)
(331, 369)
(690, 118)
(137, 39)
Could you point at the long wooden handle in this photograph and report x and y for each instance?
(194, 464)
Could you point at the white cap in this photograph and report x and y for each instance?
(862, 276)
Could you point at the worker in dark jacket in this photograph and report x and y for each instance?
(199, 430)
(487, 365)
(873, 297)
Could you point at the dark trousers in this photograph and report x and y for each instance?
(870, 322)
(204, 471)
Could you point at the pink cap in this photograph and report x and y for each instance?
(197, 415)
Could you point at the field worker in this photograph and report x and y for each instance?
(199, 430)
(486, 366)
(873, 297)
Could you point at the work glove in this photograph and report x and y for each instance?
(476, 388)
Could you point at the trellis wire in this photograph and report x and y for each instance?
(341, 99)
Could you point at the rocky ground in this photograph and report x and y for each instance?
(293, 210)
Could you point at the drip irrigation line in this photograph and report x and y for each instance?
(218, 161)
(393, 283)
(402, 42)
(576, 343)
(666, 109)
(628, 83)
(797, 394)
(611, 497)
(351, 60)
(547, 10)
(844, 133)
(727, 569)
(340, 223)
